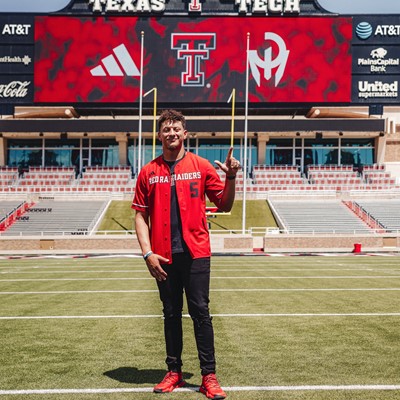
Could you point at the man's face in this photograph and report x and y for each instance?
(172, 134)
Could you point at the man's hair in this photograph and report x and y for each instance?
(171, 116)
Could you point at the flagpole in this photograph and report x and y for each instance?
(140, 104)
(154, 118)
(232, 97)
(246, 112)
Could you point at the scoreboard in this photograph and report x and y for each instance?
(101, 54)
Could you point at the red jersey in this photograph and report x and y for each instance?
(195, 178)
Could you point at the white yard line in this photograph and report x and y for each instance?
(125, 271)
(75, 279)
(63, 270)
(196, 389)
(255, 315)
(84, 292)
(213, 277)
(211, 290)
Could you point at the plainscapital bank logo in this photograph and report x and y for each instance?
(364, 30)
(377, 61)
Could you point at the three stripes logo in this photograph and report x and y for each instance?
(118, 64)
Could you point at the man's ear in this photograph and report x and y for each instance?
(185, 133)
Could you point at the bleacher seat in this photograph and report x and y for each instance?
(317, 216)
(55, 217)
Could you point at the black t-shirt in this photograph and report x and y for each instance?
(178, 245)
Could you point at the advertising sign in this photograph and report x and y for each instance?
(376, 89)
(16, 59)
(16, 89)
(16, 29)
(192, 60)
(370, 30)
(376, 59)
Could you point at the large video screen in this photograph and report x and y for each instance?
(99, 59)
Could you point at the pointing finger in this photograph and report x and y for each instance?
(229, 156)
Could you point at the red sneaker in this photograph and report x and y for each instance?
(171, 381)
(211, 388)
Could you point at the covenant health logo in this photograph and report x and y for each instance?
(364, 30)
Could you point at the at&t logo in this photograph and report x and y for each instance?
(268, 63)
(364, 30)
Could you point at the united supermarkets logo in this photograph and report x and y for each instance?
(120, 63)
(378, 89)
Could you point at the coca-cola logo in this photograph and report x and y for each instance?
(17, 89)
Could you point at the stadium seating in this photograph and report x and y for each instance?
(64, 180)
(317, 216)
(10, 210)
(8, 176)
(385, 211)
(271, 178)
(262, 180)
(107, 179)
(57, 217)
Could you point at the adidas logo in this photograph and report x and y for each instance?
(119, 65)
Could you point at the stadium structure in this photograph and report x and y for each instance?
(308, 97)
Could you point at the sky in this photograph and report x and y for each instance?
(361, 6)
(32, 5)
(336, 6)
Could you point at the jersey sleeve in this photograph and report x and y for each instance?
(214, 187)
(140, 200)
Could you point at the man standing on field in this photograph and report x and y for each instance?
(171, 226)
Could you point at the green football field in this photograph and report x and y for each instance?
(286, 328)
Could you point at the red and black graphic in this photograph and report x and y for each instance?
(98, 59)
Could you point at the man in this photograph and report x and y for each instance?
(172, 231)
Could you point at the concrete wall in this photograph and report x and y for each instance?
(219, 244)
(106, 244)
(329, 243)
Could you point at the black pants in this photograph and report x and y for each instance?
(193, 277)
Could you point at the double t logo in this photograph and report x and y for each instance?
(193, 48)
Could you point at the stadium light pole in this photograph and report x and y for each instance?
(246, 112)
(154, 118)
(140, 104)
